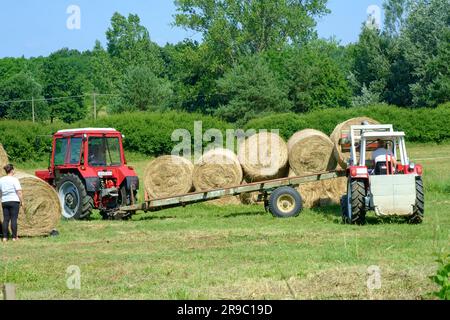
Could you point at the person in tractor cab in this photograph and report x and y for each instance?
(383, 157)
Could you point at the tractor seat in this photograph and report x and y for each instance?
(381, 169)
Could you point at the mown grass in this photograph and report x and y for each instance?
(239, 252)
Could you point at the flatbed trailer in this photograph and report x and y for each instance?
(280, 196)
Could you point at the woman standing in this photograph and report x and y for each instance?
(12, 198)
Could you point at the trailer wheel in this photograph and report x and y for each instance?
(358, 209)
(76, 202)
(419, 208)
(285, 202)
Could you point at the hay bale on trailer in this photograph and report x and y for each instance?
(217, 169)
(343, 157)
(263, 156)
(3, 160)
(311, 151)
(42, 207)
(168, 176)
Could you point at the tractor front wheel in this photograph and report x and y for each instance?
(75, 201)
(356, 202)
(419, 208)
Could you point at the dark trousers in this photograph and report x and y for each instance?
(10, 215)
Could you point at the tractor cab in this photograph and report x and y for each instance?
(89, 170)
(381, 177)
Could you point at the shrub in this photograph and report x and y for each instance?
(420, 124)
(146, 133)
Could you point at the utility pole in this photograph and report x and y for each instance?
(32, 108)
(95, 106)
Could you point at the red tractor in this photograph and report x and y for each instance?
(388, 183)
(89, 171)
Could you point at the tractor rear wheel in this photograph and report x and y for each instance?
(419, 208)
(357, 203)
(76, 202)
(125, 200)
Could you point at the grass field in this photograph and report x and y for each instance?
(239, 252)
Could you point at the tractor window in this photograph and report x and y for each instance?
(75, 150)
(104, 152)
(60, 151)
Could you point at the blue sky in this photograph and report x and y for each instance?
(34, 28)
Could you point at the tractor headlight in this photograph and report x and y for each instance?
(412, 166)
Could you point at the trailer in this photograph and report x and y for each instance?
(280, 197)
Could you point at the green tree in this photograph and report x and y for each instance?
(371, 65)
(19, 87)
(65, 74)
(129, 44)
(231, 30)
(314, 79)
(101, 70)
(250, 26)
(142, 90)
(251, 89)
(396, 13)
(193, 72)
(426, 42)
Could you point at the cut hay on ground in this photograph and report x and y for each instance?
(168, 176)
(311, 151)
(342, 157)
(3, 160)
(42, 207)
(217, 169)
(263, 156)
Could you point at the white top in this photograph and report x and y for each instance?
(379, 155)
(8, 189)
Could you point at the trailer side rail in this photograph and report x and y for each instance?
(263, 187)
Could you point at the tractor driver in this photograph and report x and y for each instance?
(383, 154)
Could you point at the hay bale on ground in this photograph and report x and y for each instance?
(263, 156)
(168, 176)
(342, 157)
(311, 151)
(216, 169)
(42, 207)
(3, 160)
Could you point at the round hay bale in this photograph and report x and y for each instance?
(42, 207)
(334, 189)
(249, 198)
(342, 157)
(322, 193)
(263, 156)
(310, 192)
(216, 169)
(3, 160)
(168, 176)
(226, 201)
(311, 151)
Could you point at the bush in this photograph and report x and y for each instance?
(419, 124)
(146, 133)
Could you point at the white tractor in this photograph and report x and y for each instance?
(384, 181)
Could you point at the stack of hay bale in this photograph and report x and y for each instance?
(42, 206)
(261, 157)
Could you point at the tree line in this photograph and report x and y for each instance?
(255, 58)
